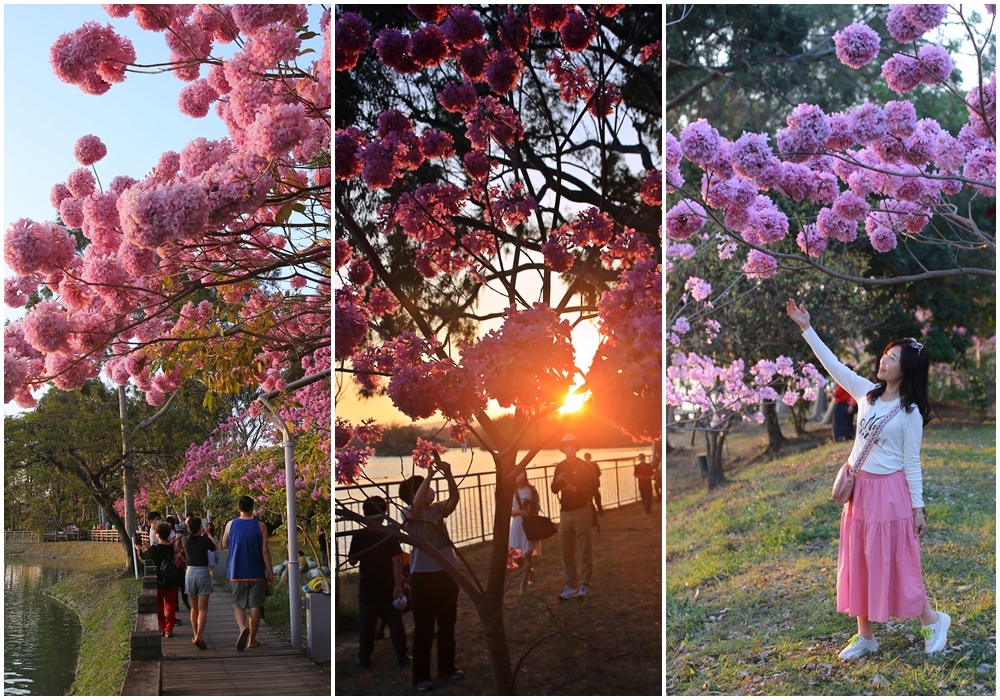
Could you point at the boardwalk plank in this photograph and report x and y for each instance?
(273, 668)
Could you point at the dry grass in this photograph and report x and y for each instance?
(607, 644)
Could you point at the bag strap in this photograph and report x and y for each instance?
(873, 436)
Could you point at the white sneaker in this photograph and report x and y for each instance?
(568, 593)
(936, 635)
(584, 591)
(858, 645)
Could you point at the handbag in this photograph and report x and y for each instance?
(536, 527)
(843, 485)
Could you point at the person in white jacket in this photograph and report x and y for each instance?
(878, 561)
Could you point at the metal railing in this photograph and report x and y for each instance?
(472, 521)
(21, 537)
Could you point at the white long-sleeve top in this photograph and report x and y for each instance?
(898, 445)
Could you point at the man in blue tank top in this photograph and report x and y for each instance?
(249, 570)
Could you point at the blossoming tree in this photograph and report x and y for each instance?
(801, 205)
(512, 151)
(214, 267)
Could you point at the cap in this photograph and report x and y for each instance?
(568, 438)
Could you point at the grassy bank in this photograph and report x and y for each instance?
(609, 643)
(105, 603)
(751, 577)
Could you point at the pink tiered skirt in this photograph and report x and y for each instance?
(878, 564)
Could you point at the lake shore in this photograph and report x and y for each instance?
(105, 602)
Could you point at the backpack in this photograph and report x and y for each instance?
(167, 573)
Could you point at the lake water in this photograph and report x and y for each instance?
(476, 461)
(41, 635)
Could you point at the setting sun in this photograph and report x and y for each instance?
(574, 402)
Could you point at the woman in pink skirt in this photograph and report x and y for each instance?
(878, 563)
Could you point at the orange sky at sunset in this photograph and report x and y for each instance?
(349, 407)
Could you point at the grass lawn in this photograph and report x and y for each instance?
(610, 643)
(751, 575)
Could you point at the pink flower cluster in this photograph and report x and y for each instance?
(857, 44)
(91, 57)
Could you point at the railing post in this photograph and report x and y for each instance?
(482, 508)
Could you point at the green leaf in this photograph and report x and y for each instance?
(308, 35)
(283, 213)
(303, 52)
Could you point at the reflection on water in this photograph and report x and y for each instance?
(41, 635)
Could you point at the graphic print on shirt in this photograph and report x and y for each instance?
(867, 424)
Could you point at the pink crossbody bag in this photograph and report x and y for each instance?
(843, 485)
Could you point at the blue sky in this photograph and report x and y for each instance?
(137, 119)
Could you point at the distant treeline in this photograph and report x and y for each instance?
(593, 430)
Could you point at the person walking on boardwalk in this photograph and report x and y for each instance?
(644, 475)
(163, 554)
(574, 481)
(878, 561)
(380, 573)
(434, 591)
(249, 570)
(198, 581)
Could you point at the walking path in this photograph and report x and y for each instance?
(273, 668)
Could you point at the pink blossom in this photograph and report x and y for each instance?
(350, 328)
(752, 155)
(606, 97)
(351, 40)
(503, 71)
(651, 191)
(515, 30)
(832, 226)
(393, 48)
(982, 106)
(548, 17)
(360, 272)
(436, 144)
(902, 73)
(91, 57)
(699, 288)
(463, 26)
(981, 165)
(46, 327)
(760, 265)
(71, 212)
(277, 129)
(811, 241)
(81, 182)
(251, 18)
(700, 142)
(882, 238)
(767, 223)
(811, 126)
(348, 144)
(58, 194)
(901, 27)
(423, 455)
(477, 165)
(556, 256)
(850, 207)
(935, 63)
(458, 97)
(578, 32)
(857, 44)
(429, 13)
(900, 118)
(152, 214)
(867, 123)
(89, 149)
(195, 99)
(684, 219)
(473, 59)
(31, 247)
(924, 17)
(428, 46)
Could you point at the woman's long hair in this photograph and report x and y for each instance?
(914, 363)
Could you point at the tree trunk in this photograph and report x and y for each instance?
(714, 441)
(491, 608)
(775, 439)
(128, 479)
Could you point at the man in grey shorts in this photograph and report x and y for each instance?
(249, 570)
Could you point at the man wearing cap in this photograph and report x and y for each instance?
(574, 481)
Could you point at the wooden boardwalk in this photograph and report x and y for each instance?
(273, 668)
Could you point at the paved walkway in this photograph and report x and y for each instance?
(273, 668)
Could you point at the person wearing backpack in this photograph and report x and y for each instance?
(167, 578)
